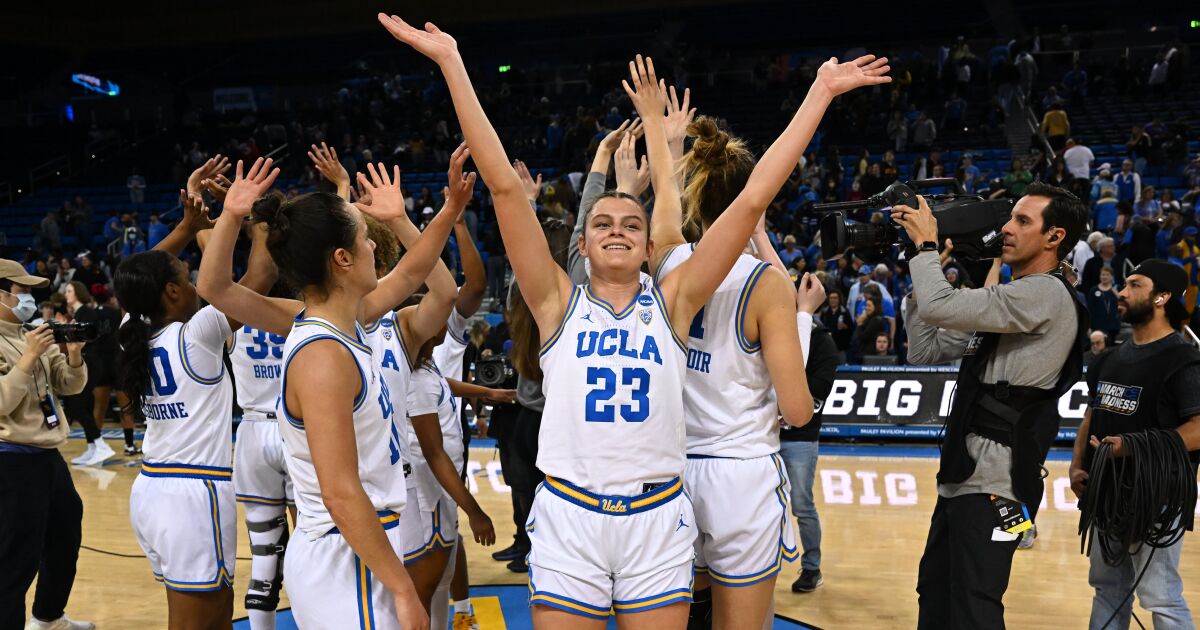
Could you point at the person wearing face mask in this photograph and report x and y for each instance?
(36, 491)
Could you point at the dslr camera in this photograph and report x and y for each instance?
(972, 222)
(74, 332)
(495, 371)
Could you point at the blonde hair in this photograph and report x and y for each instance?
(715, 171)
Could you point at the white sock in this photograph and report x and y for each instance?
(464, 607)
(261, 619)
(263, 567)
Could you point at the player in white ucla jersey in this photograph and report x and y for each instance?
(611, 528)
(743, 339)
(344, 568)
(182, 505)
(260, 476)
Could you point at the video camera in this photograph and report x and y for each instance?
(972, 222)
(72, 332)
(495, 371)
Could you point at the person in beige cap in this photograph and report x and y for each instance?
(36, 491)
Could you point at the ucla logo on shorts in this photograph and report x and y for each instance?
(646, 300)
(611, 505)
(646, 315)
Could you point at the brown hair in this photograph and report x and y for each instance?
(82, 295)
(522, 328)
(715, 171)
(387, 247)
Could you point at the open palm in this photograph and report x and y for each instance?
(648, 93)
(387, 200)
(431, 42)
(247, 188)
(840, 78)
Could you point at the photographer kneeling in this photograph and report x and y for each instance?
(1021, 348)
(41, 515)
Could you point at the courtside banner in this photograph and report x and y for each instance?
(911, 402)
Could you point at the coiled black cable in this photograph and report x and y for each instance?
(1146, 497)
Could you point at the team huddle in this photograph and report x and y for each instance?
(665, 378)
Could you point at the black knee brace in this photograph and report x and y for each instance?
(270, 601)
(700, 615)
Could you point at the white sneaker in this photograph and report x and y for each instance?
(103, 452)
(87, 455)
(62, 623)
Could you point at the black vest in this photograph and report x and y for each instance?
(1023, 418)
(1127, 397)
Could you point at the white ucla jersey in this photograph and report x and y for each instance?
(375, 434)
(728, 399)
(257, 359)
(448, 356)
(391, 356)
(190, 399)
(614, 394)
(429, 393)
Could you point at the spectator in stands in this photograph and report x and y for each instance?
(1106, 258)
(1138, 243)
(156, 231)
(1191, 173)
(897, 131)
(1098, 346)
(1169, 203)
(64, 274)
(1169, 232)
(838, 321)
(1158, 76)
(1058, 174)
(954, 114)
(1128, 182)
(112, 228)
(968, 173)
(1148, 206)
(1104, 181)
(137, 187)
(1138, 147)
(873, 182)
(48, 237)
(1079, 160)
(1084, 249)
(924, 133)
(1102, 305)
(863, 164)
(1104, 211)
(888, 169)
(1016, 180)
(90, 273)
(1051, 98)
(789, 253)
(1027, 71)
(1075, 84)
(1056, 126)
(871, 325)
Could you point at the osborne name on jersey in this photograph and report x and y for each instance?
(165, 411)
(267, 371)
(613, 341)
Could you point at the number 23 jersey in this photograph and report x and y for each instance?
(613, 381)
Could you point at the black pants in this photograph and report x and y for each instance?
(79, 409)
(41, 522)
(518, 457)
(964, 573)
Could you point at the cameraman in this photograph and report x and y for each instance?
(36, 491)
(1020, 349)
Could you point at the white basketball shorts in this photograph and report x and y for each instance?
(185, 519)
(743, 518)
(425, 531)
(329, 586)
(593, 555)
(259, 464)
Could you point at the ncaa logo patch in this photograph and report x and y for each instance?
(1122, 399)
(646, 315)
(645, 300)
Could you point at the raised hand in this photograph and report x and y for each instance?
(631, 178)
(612, 141)
(810, 295)
(532, 187)
(386, 199)
(195, 213)
(325, 159)
(359, 194)
(648, 93)
(217, 186)
(431, 42)
(461, 187)
(678, 117)
(840, 78)
(248, 188)
(212, 167)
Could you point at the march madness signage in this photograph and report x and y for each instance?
(911, 402)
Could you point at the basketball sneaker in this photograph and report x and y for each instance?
(808, 581)
(87, 455)
(1027, 538)
(62, 623)
(101, 455)
(465, 621)
(132, 450)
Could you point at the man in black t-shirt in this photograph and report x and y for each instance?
(1150, 382)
